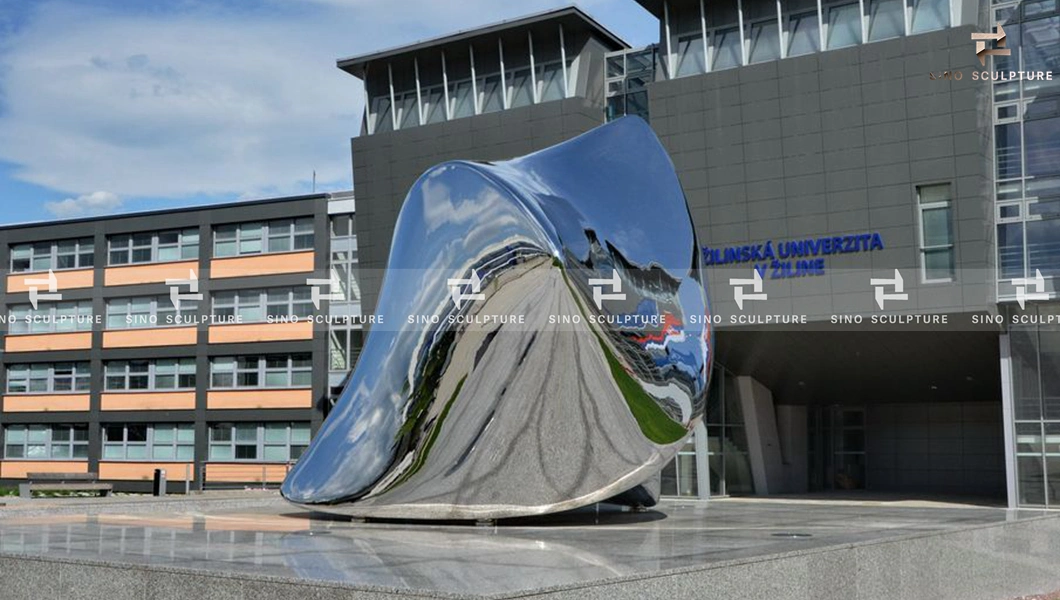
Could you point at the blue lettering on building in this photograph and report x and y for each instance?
(783, 259)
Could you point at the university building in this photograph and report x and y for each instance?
(828, 146)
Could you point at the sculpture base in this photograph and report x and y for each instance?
(727, 548)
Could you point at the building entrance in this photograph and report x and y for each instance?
(836, 448)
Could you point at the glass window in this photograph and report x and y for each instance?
(380, 115)
(805, 35)
(936, 232)
(43, 442)
(154, 311)
(765, 41)
(844, 25)
(161, 374)
(886, 19)
(1043, 246)
(1010, 250)
(463, 103)
(49, 377)
(930, 15)
(137, 441)
(263, 442)
(407, 110)
(520, 92)
(255, 306)
(44, 256)
(1041, 48)
(1042, 145)
(727, 53)
(275, 371)
(490, 94)
(433, 105)
(550, 81)
(282, 235)
(1007, 142)
(51, 318)
(690, 58)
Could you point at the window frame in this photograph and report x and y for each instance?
(790, 22)
(766, 22)
(188, 310)
(80, 373)
(50, 310)
(826, 11)
(235, 366)
(154, 248)
(184, 368)
(260, 443)
(717, 37)
(258, 299)
(922, 248)
(300, 235)
(868, 18)
(149, 444)
(50, 443)
(84, 249)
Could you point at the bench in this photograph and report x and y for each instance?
(63, 482)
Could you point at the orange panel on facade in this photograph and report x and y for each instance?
(17, 469)
(246, 472)
(290, 398)
(81, 340)
(142, 338)
(150, 273)
(262, 264)
(260, 332)
(64, 280)
(148, 401)
(46, 403)
(145, 471)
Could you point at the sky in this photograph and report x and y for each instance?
(113, 106)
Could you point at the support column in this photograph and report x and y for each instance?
(763, 442)
(702, 462)
(1008, 421)
(563, 61)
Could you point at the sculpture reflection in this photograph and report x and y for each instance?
(566, 369)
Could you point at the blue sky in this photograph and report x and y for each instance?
(115, 105)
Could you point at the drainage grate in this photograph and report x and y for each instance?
(793, 535)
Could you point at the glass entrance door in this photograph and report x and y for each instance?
(836, 450)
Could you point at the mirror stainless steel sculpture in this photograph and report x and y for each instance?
(543, 341)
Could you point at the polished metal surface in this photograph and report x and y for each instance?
(542, 341)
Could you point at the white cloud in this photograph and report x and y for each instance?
(203, 100)
(96, 203)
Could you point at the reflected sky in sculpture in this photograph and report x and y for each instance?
(502, 419)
